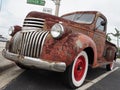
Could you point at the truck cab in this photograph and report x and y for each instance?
(95, 25)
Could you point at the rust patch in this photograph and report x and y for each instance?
(60, 50)
(16, 29)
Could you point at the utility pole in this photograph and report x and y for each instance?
(57, 3)
(0, 5)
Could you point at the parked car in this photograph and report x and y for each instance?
(3, 39)
(68, 44)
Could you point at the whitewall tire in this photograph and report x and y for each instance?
(76, 73)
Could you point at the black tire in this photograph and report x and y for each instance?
(77, 71)
(110, 66)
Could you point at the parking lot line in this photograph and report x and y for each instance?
(86, 86)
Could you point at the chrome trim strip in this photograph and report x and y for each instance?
(43, 41)
(38, 39)
(35, 45)
(31, 42)
(35, 62)
(30, 29)
(29, 45)
(33, 25)
(34, 22)
(39, 49)
(32, 18)
(26, 44)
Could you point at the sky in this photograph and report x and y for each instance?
(13, 12)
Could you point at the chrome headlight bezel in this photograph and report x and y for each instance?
(11, 30)
(57, 30)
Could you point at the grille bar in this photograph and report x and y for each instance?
(34, 19)
(33, 25)
(34, 22)
(33, 43)
(30, 44)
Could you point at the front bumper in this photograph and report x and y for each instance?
(35, 62)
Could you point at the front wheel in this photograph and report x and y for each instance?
(76, 73)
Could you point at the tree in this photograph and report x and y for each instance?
(117, 34)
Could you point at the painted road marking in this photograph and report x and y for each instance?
(86, 86)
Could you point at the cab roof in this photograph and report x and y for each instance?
(77, 12)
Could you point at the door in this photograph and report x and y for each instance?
(100, 36)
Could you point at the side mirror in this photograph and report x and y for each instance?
(103, 23)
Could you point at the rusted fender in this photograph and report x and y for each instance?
(67, 48)
(16, 29)
(111, 51)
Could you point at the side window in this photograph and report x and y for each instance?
(98, 24)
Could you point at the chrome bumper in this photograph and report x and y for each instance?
(38, 63)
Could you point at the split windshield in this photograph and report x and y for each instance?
(86, 18)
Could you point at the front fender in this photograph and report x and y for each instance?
(83, 42)
(67, 48)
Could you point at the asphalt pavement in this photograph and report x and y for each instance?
(47, 80)
(110, 82)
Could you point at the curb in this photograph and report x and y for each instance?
(6, 66)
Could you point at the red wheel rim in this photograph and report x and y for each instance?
(79, 69)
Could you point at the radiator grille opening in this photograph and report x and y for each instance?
(29, 43)
(34, 22)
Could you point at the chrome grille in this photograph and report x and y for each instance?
(31, 43)
(34, 22)
(17, 42)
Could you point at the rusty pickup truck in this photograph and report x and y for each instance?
(69, 44)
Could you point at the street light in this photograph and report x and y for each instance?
(57, 3)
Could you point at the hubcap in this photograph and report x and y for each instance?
(79, 68)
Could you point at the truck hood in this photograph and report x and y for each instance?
(50, 20)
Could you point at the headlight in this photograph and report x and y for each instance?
(11, 30)
(57, 30)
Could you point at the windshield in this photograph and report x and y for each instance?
(81, 18)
